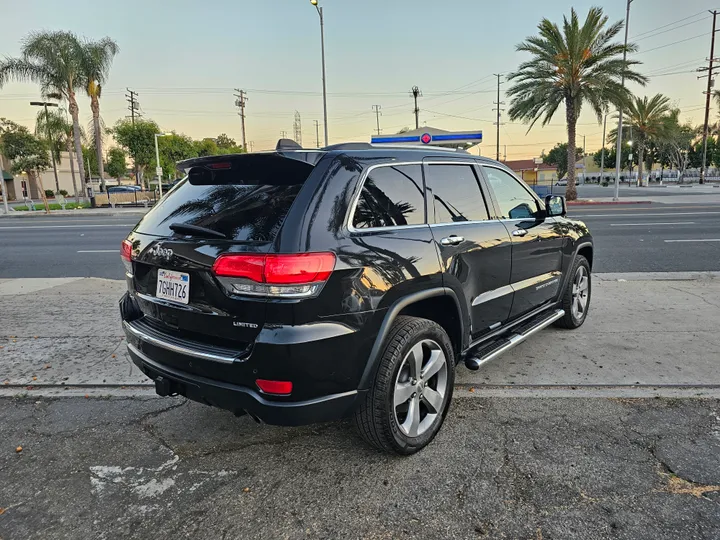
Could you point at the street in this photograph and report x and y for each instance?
(657, 237)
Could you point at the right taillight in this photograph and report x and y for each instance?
(126, 255)
(298, 275)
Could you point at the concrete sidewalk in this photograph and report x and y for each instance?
(647, 334)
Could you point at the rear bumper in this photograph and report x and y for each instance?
(241, 399)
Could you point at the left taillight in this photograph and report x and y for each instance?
(126, 255)
(297, 275)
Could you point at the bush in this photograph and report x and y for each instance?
(605, 183)
(63, 192)
(49, 193)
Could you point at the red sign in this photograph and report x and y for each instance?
(426, 138)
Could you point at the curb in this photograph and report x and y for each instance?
(597, 203)
(65, 213)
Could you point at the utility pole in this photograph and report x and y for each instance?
(317, 134)
(498, 103)
(602, 151)
(618, 149)
(134, 107)
(505, 152)
(251, 145)
(297, 129)
(240, 102)
(416, 93)
(378, 114)
(709, 69)
(2, 184)
(283, 134)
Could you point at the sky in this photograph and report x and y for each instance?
(184, 58)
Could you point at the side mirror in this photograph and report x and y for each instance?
(555, 206)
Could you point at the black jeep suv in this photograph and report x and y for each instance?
(301, 286)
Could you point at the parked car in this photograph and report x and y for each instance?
(561, 183)
(305, 286)
(123, 189)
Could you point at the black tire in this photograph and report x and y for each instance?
(376, 418)
(572, 319)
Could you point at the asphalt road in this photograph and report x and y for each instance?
(571, 469)
(629, 238)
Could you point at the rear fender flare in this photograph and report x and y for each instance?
(392, 313)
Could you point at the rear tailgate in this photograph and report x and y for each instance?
(243, 200)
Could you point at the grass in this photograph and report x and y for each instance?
(55, 206)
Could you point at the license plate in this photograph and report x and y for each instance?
(174, 286)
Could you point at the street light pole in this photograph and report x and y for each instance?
(47, 130)
(618, 149)
(602, 151)
(322, 48)
(158, 168)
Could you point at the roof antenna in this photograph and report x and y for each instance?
(287, 144)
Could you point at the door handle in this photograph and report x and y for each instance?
(452, 240)
(519, 232)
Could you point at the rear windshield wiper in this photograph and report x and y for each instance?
(194, 230)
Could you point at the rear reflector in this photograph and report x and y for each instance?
(279, 388)
(126, 250)
(292, 269)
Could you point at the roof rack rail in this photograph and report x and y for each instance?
(350, 146)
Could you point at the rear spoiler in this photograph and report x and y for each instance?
(307, 156)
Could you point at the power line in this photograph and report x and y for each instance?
(671, 29)
(635, 38)
(673, 43)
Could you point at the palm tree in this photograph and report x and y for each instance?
(572, 66)
(96, 64)
(54, 60)
(647, 120)
(61, 133)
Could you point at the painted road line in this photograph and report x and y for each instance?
(89, 227)
(698, 240)
(643, 215)
(646, 224)
(99, 251)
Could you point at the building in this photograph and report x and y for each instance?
(533, 173)
(19, 187)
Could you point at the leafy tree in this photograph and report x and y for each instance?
(206, 147)
(28, 153)
(676, 146)
(54, 60)
(96, 61)
(223, 141)
(138, 140)
(90, 157)
(572, 66)
(174, 148)
(610, 155)
(647, 120)
(558, 157)
(116, 165)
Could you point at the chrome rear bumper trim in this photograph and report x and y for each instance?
(176, 348)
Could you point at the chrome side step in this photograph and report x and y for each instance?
(477, 358)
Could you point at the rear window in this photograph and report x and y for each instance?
(246, 198)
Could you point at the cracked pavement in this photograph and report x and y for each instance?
(516, 468)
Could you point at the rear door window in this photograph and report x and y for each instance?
(456, 193)
(246, 198)
(391, 196)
